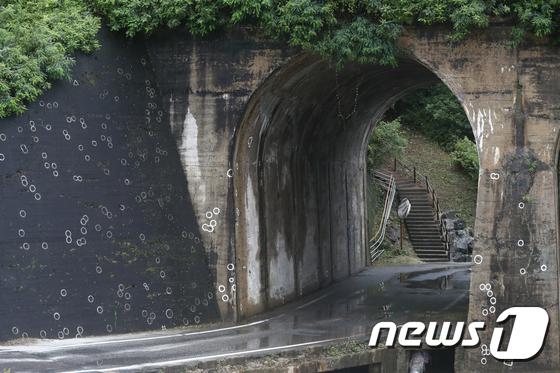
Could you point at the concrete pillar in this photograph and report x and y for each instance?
(510, 99)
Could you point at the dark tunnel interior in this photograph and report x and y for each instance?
(300, 174)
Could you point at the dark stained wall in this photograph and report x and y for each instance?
(97, 229)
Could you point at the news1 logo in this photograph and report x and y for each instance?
(526, 339)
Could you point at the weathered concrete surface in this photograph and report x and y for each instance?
(512, 99)
(205, 85)
(272, 144)
(305, 170)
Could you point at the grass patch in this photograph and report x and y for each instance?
(455, 189)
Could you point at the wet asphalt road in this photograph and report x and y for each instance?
(347, 309)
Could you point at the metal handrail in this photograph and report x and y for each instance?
(418, 178)
(388, 182)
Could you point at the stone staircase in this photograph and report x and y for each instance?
(425, 230)
(422, 226)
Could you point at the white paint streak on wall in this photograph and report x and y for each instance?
(281, 276)
(188, 150)
(484, 121)
(477, 121)
(479, 134)
(490, 122)
(253, 260)
(496, 156)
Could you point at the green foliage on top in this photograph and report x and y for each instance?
(436, 112)
(385, 143)
(37, 39)
(359, 30)
(145, 16)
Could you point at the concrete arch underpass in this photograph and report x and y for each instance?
(210, 180)
(300, 174)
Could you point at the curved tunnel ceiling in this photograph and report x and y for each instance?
(312, 96)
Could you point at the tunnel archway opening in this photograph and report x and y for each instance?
(422, 155)
(300, 175)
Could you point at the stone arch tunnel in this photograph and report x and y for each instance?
(187, 181)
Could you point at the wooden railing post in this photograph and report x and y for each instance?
(395, 164)
(414, 172)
